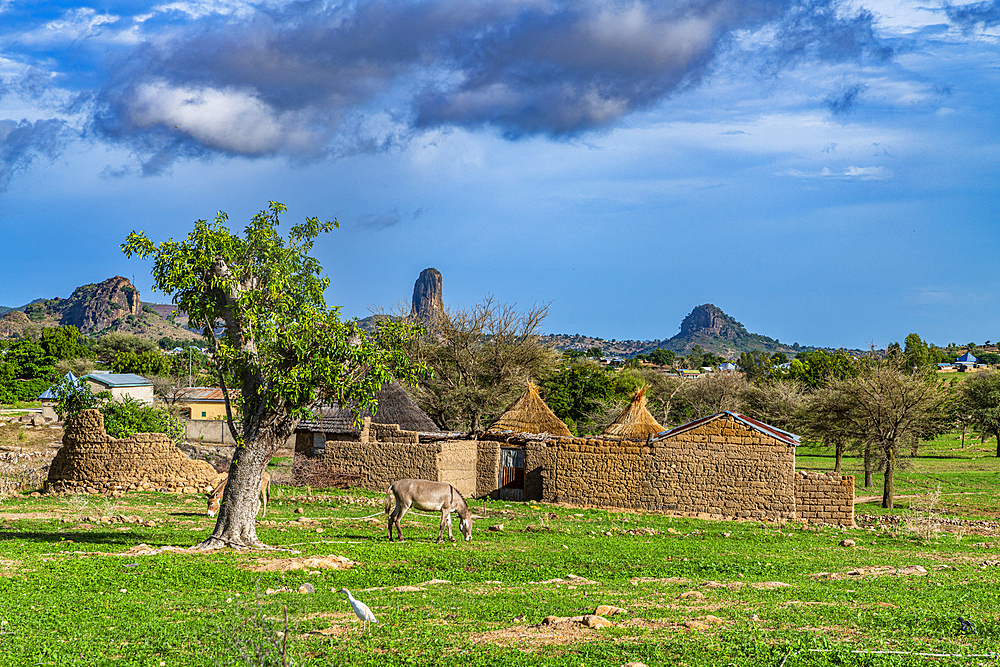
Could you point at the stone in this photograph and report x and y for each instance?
(847, 543)
(634, 664)
(692, 595)
(299, 510)
(306, 588)
(595, 621)
(608, 610)
(496, 528)
(696, 625)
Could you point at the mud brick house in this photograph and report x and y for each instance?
(725, 466)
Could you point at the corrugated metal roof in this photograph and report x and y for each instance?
(767, 429)
(203, 394)
(119, 379)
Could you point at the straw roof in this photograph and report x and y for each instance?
(529, 414)
(635, 422)
(394, 407)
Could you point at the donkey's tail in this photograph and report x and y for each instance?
(388, 500)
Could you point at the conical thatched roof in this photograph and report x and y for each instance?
(635, 422)
(394, 407)
(529, 414)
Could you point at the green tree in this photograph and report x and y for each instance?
(918, 356)
(981, 402)
(147, 363)
(284, 349)
(61, 342)
(755, 366)
(110, 345)
(819, 368)
(594, 353)
(578, 391)
(662, 357)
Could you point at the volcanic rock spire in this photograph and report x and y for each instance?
(428, 302)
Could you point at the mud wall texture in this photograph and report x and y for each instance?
(721, 469)
(92, 461)
(825, 497)
(382, 454)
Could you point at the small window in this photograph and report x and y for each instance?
(203, 414)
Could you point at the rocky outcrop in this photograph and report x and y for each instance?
(428, 299)
(14, 324)
(93, 308)
(710, 320)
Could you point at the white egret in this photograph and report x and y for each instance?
(361, 610)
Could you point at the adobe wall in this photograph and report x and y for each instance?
(594, 471)
(487, 468)
(722, 468)
(825, 497)
(456, 464)
(216, 431)
(92, 461)
(382, 454)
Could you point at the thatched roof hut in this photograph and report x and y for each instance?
(394, 407)
(635, 422)
(529, 414)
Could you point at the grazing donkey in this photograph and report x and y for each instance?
(215, 497)
(429, 497)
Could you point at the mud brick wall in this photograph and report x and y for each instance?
(824, 497)
(382, 463)
(723, 469)
(388, 433)
(456, 464)
(487, 468)
(594, 471)
(92, 461)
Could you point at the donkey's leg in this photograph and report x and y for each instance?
(448, 519)
(444, 519)
(400, 511)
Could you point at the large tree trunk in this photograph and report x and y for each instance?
(868, 466)
(890, 471)
(998, 442)
(841, 446)
(237, 523)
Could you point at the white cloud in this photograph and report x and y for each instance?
(852, 172)
(228, 120)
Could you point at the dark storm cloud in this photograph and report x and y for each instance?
(313, 79)
(986, 14)
(21, 143)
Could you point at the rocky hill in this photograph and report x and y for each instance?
(111, 305)
(706, 326)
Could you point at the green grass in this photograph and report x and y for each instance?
(61, 607)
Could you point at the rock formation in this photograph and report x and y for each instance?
(93, 308)
(709, 319)
(428, 300)
(14, 324)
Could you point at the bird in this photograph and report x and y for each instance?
(361, 610)
(966, 625)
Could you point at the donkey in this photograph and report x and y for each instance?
(215, 497)
(429, 497)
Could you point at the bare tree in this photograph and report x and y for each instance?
(714, 393)
(481, 357)
(778, 404)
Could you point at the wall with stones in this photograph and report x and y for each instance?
(92, 461)
(825, 497)
(722, 468)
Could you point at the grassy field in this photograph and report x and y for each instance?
(76, 590)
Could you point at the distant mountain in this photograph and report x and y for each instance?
(721, 334)
(111, 305)
(706, 326)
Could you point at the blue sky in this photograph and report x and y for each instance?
(824, 171)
